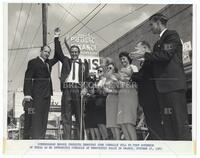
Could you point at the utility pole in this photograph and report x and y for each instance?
(44, 23)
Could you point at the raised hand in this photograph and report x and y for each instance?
(57, 31)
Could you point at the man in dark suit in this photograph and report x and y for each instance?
(147, 92)
(169, 77)
(73, 74)
(38, 91)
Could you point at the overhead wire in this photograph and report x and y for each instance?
(90, 19)
(65, 16)
(25, 25)
(83, 24)
(60, 21)
(120, 18)
(147, 31)
(23, 48)
(79, 21)
(34, 37)
(18, 20)
(90, 29)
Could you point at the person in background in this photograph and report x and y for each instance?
(27, 121)
(111, 88)
(127, 98)
(90, 109)
(100, 103)
(147, 91)
(37, 93)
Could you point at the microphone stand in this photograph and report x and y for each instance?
(81, 120)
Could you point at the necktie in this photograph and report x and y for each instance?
(47, 65)
(73, 66)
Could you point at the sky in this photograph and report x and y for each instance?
(25, 30)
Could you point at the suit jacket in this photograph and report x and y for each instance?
(145, 83)
(168, 71)
(66, 64)
(37, 81)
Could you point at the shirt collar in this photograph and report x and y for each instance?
(163, 32)
(41, 59)
(76, 60)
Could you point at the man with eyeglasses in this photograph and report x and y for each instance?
(37, 94)
(73, 74)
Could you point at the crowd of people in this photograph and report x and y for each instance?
(113, 96)
(111, 101)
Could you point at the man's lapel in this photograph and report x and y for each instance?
(40, 61)
(44, 64)
(164, 35)
(79, 71)
(159, 43)
(47, 64)
(70, 63)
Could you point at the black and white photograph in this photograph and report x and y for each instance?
(99, 71)
(117, 72)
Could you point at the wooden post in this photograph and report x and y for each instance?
(44, 23)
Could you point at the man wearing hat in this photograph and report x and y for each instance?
(169, 78)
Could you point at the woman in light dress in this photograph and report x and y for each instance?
(127, 98)
(110, 87)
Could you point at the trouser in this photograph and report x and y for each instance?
(174, 115)
(148, 100)
(27, 125)
(40, 117)
(70, 104)
(153, 120)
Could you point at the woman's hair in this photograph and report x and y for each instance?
(125, 54)
(91, 77)
(100, 66)
(144, 43)
(115, 68)
(104, 61)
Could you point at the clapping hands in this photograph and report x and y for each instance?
(137, 54)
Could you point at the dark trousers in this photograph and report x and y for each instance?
(148, 101)
(70, 104)
(27, 125)
(40, 117)
(174, 115)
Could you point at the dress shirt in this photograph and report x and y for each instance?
(42, 59)
(162, 32)
(44, 62)
(69, 79)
